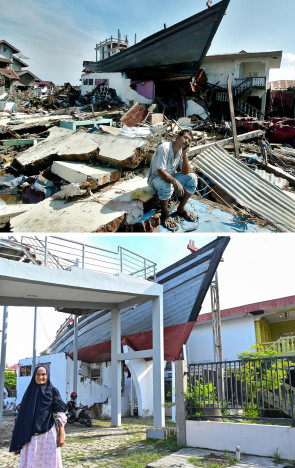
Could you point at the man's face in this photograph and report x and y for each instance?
(185, 140)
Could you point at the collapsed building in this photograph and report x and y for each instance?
(81, 164)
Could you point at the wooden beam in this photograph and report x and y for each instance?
(232, 117)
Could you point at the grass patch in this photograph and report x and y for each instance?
(213, 461)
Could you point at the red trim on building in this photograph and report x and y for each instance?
(246, 309)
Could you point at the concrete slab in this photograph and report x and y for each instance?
(180, 460)
(64, 144)
(61, 144)
(105, 213)
(9, 211)
(76, 172)
(118, 150)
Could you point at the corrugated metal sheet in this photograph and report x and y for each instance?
(247, 187)
(273, 179)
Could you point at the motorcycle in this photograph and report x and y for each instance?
(79, 414)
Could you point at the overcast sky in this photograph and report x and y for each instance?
(57, 35)
(256, 267)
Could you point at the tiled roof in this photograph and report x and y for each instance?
(282, 85)
(9, 73)
(23, 72)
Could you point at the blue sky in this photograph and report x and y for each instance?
(57, 35)
(256, 267)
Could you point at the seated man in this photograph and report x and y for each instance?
(164, 177)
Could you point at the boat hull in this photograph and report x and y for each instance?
(173, 53)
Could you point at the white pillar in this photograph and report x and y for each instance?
(116, 368)
(173, 392)
(3, 358)
(35, 339)
(75, 376)
(158, 362)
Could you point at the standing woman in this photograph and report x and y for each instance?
(34, 435)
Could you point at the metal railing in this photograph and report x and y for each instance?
(256, 389)
(251, 82)
(60, 253)
(284, 345)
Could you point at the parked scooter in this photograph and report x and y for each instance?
(78, 414)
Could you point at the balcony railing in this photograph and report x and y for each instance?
(60, 253)
(284, 345)
(250, 82)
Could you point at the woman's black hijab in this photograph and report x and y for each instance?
(35, 415)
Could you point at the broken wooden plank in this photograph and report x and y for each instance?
(246, 136)
(103, 212)
(76, 172)
(136, 114)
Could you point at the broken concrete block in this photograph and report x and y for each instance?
(155, 118)
(9, 211)
(77, 172)
(61, 143)
(98, 213)
(143, 194)
(119, 150)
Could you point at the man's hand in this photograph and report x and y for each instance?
(178, 188)
(17, 452)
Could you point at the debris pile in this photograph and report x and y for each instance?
(69, 168)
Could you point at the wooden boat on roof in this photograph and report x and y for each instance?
(185, 284)
(172, 53)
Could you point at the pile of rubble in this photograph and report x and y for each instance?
(75, 168)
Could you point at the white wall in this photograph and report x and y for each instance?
(253, 439)
(57, 374)
(237, 336)
(219, 70)
(117, 82)
(89, 391)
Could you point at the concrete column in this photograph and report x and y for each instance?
(3, 358)
(34, 340)
(75, 374)
(180, 388)
(116, 367)
(173, 391)
(158, 362)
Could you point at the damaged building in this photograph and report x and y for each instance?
(88, 151)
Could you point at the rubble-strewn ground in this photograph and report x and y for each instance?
(90, 162)
(101, 445)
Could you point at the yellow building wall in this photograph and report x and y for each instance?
(262, 331)
(281, 327)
